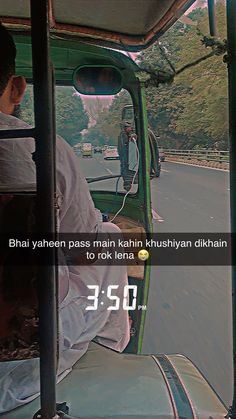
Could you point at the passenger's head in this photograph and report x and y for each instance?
(12, 87)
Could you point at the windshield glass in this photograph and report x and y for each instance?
(92, 126)
(102, 164)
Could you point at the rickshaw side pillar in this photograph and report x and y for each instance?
(144, 183)
(45, 139)
(231, 60)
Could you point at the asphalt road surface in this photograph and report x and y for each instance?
(96, 166)
(189, 308)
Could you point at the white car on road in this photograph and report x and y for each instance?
(111, 153)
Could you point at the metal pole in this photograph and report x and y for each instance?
(45, 213)
(231, 57)
(212, 17)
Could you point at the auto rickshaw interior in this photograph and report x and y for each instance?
(104, 382)
(92, 71)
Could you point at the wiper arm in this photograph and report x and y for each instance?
(100, 178)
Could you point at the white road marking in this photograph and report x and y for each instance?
(197, 165)
(164, 170)
(109, 171)
(156, 216)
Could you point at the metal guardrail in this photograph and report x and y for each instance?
(200, 154)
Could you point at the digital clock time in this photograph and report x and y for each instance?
(110, 294)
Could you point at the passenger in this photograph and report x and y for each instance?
(19, 380)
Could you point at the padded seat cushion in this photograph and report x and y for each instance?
(106, 384)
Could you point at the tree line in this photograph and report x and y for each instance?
(190, 112)
(71, 116)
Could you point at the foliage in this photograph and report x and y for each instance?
(27, 106)
(107, 127)
(192, 111)
(71, 117)
(188, 113)
(95, 137)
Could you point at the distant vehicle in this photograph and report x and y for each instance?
(87, 150)
(77, 149)
(111, 153)
(162, 154)
(97, 149)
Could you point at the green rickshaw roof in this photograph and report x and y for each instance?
(67, 54)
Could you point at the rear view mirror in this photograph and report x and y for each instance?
(97, 80)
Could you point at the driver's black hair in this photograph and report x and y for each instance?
(7, 57)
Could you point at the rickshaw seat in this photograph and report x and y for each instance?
(106, 384)
(18, 295)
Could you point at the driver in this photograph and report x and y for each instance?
(19, 380)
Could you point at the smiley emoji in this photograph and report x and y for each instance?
(143, 255)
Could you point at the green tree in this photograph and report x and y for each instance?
(95, 137)
(71, 117)
(27, 106)
(192, 111)
(107, 127)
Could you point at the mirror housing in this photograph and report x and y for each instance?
(97, 80)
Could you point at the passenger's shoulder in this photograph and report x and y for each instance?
(64, 150)
(15, 146)
(63, 144)
(67, 162)
(11, 122)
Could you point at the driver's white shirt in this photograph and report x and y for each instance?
(19, 380)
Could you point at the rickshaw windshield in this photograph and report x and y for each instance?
(96, 121)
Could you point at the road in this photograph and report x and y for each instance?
(189, 307)
(96, 167)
